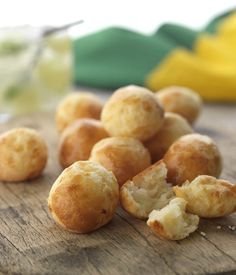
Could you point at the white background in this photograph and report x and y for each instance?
(144, 16)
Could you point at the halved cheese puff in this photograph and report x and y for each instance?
(146, 191)
(208, 197)
(172, 222)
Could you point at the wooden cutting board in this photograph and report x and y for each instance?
(31, 243)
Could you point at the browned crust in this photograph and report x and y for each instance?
(80, 202)
(78, 140)
(148, 170)
(190, 102)
(174, 127)
(124, 161)
(88, 107)
(224, 193)
(158, 229)
(24, 159)
(140, 100)
(188, 158)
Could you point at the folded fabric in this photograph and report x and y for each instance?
(175, 55)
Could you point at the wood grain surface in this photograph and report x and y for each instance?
(31, 243)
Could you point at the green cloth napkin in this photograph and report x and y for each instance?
(115, 57)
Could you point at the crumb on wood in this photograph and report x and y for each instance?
(232, 227)
(203, 233)
(218, 227)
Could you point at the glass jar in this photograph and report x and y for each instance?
(35, 71)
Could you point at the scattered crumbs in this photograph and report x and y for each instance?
(218, 227)
(203, 234)
(232, 227)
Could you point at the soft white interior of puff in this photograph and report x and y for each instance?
(176, 222)
(151, 191)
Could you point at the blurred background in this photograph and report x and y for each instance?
(144, 16)
(119, 42)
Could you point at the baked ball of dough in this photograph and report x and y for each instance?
(174, 126)
(84, 197)
(78, 140)
(190, 156)
(180, 100)
(77, 105)
(208, 197)
(172, 222)
(124, 156)
(132, 111)
(23, 155)
(146, 191)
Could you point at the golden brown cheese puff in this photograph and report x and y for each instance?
(23, 155)
(124, 156)
(77, 105)
(190, 156)
(174, 126)
(84, 197)
(173, 222)
(78, 140)
(208, 197)
(182, 101)
(132, 111)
